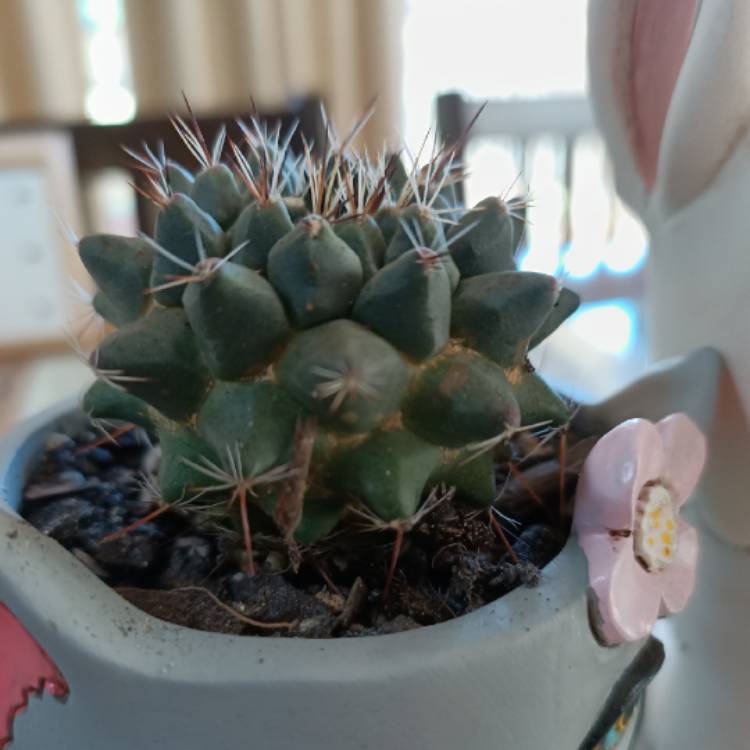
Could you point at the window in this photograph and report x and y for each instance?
(109, 98)
(535, 52)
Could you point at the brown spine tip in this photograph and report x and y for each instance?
(312, 226)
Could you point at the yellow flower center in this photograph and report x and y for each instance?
(655, 533)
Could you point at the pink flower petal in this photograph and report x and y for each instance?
(612, 477)
(628, 597)
(677, 581)
(684, 454)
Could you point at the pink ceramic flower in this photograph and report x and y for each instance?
(641, 554)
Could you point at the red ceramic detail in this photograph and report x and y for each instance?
(25, 669)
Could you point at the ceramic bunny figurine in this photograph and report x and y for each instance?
(672, 96)
(671, 93)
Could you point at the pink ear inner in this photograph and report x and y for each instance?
(24, 669)
(659, 40)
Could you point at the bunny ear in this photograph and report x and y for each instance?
(636, 52)
(661, 32)
(609, 23)
(710, 114)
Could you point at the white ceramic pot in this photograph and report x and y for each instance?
(522, 673)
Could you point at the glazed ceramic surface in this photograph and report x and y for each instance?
(524, 672)
(676, 128)
(671, 92)
(699, 699)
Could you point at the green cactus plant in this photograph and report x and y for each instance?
(329, 292)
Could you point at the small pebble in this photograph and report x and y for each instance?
(271, 598)
(189, 562)
(100, 455)
(135, 551)
(62, 519)
(320, 626)
(132, 438)
(57, 441)
(72, 476)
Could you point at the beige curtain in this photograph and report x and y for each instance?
(220, 52)
(41, 61)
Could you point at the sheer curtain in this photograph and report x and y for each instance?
(220, 52)
(41, 61)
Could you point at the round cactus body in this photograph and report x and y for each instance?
(358, 351)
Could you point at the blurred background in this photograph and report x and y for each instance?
(80, 78)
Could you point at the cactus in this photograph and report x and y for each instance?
(330, 292)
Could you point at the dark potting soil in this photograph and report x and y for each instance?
(87, 491)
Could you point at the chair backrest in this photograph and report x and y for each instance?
(461, 120)
(99, 147)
